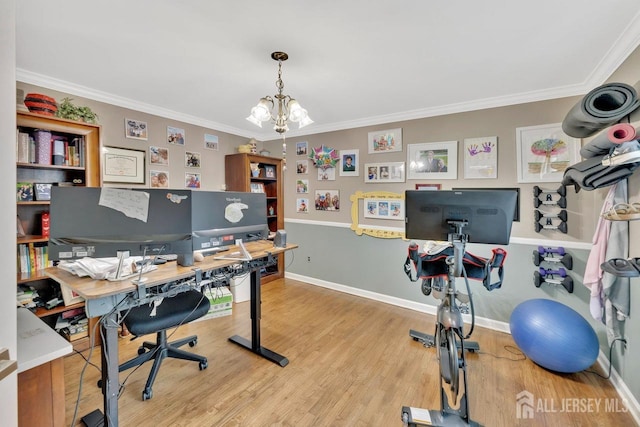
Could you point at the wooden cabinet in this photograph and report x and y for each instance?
(76, 147)
(239, 177)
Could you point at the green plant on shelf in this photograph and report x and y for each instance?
(67, 110)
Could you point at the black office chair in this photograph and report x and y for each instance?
(182, 308)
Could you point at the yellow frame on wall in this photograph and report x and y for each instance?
(372, 231)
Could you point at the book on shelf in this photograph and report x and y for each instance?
(43, 147)
(33, 257)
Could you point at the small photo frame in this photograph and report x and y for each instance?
(69, 296)
(302, 167)
(302, 148)
(302, 186)
(269, 171)
(192, 159)
(432, 160)
(384, 208)
(480, 157)
(135, 129)
(544, 153)
(211, 142)
(192, 180)
(158, 179)
(428, 187)
(327, 200)
(257, 187)
(384, 172)
(175, 135)
(302, 205)
(349, 162)
(123, 165)
(385, 141)
(326, 174)
(158, 156)
(24, 192)
(42, 191)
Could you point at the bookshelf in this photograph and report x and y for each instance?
(239, 177)
(71, 157)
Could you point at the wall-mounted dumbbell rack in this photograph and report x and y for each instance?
(548, 219)
(560, 260)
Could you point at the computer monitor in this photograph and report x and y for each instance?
(488, 215)
(219, 218)
(100, 222)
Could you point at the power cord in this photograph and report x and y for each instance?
(520, 356)
(624, 341)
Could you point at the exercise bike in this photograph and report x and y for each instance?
(449, 340)
(458, 217)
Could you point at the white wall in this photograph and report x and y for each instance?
(8, 386)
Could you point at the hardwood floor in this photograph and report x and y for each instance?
(351, 363)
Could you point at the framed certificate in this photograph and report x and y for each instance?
(123, 165)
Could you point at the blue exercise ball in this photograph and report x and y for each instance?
(554, 336)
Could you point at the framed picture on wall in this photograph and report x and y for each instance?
(384, 208)
(211, 142)
(301, 148)
(302, 205)
(135, 129)
(480, 157)
(544, 152)
(158, 156)
(327, 200)
(302, 167)
(349, 162)
(123, 165)
(383, 172)
(175, 135)
(385, 141)
(159, 179)
(302, 186)
(432, 160)
(326, 174)
(192, 159)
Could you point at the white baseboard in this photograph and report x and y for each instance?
(623, 391)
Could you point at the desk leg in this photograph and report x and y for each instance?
(254, 344)
(110, 377)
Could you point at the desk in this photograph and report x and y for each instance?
(40, 372)
(106, 299)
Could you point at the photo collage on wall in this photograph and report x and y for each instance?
(159, 155)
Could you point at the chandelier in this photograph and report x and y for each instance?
(288, 108)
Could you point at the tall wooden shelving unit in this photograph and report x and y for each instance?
(29, 212)
(238, 177)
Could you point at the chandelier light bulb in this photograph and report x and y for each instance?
(287, 110)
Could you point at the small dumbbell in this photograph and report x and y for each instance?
(562, 227)
(539, 279)
(559, 257)
(547, 272)
(548, 250)
(562, 215)
(548, 200)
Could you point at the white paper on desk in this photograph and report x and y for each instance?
(134, 204)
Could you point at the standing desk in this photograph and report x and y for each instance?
(106, 299)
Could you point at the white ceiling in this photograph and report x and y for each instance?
(351, 63)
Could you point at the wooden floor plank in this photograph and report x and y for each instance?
(352, 363)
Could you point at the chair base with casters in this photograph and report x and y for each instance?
(183, 308)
